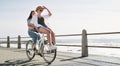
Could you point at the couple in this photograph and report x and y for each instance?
(36, 23)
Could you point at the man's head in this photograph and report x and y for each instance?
(39, 9)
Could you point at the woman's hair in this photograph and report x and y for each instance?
(30, 16)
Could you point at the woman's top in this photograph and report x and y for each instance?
(28, 22)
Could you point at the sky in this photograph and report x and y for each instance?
(68, 16)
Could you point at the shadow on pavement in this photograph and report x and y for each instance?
(23, 62)
(92, 62)
(73, 58)
(105, 62)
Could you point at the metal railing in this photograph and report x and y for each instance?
(84, 44)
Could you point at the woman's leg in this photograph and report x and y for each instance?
(34, 36)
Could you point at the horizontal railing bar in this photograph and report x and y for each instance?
(10, 38)
(25, 37)
(68, 35)
(61, 35)
(81, 34)
(14, 37)
(105, 47)
(69, 45)
(91, 46)
(103, 33)
(3, 38)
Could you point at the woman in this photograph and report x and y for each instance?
(32, 30)
(39, 21)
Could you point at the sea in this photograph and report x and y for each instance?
(101, 41)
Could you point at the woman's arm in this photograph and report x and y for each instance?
(33, 27)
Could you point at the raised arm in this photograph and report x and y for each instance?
(49, 13)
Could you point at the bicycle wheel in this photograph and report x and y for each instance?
(29, 50)
(49, 55)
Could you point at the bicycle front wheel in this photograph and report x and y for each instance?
(29, 50)
(49, 55)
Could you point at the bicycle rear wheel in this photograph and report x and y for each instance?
(29, 50)
(49, 55)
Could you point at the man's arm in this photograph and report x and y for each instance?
(49, 13)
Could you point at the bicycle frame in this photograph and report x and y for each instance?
(40, 42)
(42, 39)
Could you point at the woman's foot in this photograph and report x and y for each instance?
(34, 47)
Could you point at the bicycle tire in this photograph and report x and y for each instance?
(30, 50)
(47, 56)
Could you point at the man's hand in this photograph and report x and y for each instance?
(44, 7)
(49, 13)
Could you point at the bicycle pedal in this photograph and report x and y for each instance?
(40, 54)
(52, 51)
(46, 41)
(36, 52)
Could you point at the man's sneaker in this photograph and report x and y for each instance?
(52, 47)
(47, 47)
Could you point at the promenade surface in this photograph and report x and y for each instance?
(17, 57)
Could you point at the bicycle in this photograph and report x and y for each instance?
(42, 50)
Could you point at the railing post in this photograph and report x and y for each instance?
(19, 42)
(8, 42)
(84, 43)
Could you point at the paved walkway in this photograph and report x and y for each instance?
(17, 57)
